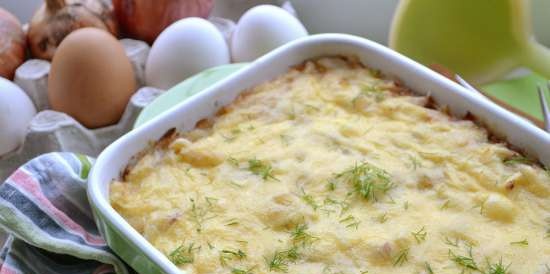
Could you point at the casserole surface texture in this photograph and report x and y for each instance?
(331, 168)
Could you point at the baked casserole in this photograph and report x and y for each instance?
(334, 168)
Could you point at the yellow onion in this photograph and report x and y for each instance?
(12, 44)
(146, 19)
(54, 20)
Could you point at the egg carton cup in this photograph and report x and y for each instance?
(51, 130)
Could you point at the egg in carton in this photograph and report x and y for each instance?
(51, 130)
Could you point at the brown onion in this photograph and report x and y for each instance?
(146, 19)
(57, 18)
(12, 44)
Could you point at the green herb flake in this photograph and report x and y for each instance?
(280, 259)
(350, 221)
(497, 268)
(367, 180)
(183, 255)
(420, 235)
(308, 199)
(523, 242)
(517, 159)
(301, 237)
(242, 271)
(451, 243)
(382, 218)
(428, 268)
(228, 255)
(401, 257)
(466, 261)
(261, 168)
(200, 213)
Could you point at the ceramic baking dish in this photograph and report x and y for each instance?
(143, 257)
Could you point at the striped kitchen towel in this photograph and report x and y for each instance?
(48, 222)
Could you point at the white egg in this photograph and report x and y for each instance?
(16, 111)
(262, 29)
(185, 48)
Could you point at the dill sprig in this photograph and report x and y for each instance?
(466, 261)
(350, 221)
(301, 237)
(415, 163)
(343, 205)
(497, 268)
(382, 218)
(233, 161)
(310, 200)
(183, 255)
(451, 243)
(281, 259)
(228, 255)
(445, 205)
(420, 235)
(401, 257)
(523, 242)
(517, 159)
(200, 213)
(428, 268)
(367, 180)
(261, 168)
(242, 271)
(232, 222)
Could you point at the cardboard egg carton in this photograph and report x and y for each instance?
(51, 130)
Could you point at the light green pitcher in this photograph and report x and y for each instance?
(479, 39)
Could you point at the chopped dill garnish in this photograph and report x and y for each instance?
(401, 257)
(343, 206)
(308, 199)
(299, 236)
(523, 242)
(285, 139)
(200, 213)
(331, 185)
(428, 268)
(497, 268)
(228, 139)
(233, 161)
(281, 259)
(467, 261)
(310, 106)
(406, 205)
(382, 218)
(517, 159)
(242, 271)
(232, 222)
(261, 168)
(183, 255)
(350, 221)
(235, 184)
(211, 200)
(210, 245)
(415, 163)
(235, 131)
(228, 255)
(420, 235)
(451, 243)
(367, 180)
(445, 205)
(372, 91)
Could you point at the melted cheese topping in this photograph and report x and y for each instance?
(332, 169)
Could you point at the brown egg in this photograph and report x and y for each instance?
(91, 78)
